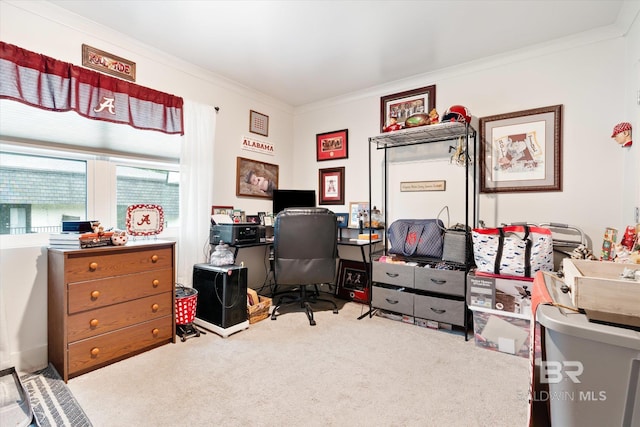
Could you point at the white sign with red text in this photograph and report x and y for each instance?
(255, 145)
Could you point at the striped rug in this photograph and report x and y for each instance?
(52, 401)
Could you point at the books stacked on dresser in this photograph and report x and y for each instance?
(65, 240)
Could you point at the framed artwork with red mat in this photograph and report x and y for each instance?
(352, 281)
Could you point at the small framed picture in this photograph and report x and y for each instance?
(332, 145)
(343, 219)
(397, 108)
(253, 219)
(258, 123)
(238, 216)
(331, 185)
(352, 281)
(221, 210)
(358, 211)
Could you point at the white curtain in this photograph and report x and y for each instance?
(196, 188)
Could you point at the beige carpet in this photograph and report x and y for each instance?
(343, 371)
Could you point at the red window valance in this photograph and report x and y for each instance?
(47, 83)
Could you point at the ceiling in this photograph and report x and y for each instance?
(302, 52)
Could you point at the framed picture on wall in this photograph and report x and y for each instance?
(258, 123)
(521, 151)
(331, 186)
(255, 178)
(332, 145)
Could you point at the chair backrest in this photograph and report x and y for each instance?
(305, 246)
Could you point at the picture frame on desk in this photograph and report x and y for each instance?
(253, 219)
(343, 219)
(221, 210)
(358, 211)
(352, 281)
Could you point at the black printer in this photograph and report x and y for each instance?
(236, 233)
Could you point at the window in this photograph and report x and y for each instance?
(136, 185)
(37, 192)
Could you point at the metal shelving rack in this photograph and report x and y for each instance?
(428, 135)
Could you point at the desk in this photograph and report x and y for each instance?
(236, 248)
(341, 242)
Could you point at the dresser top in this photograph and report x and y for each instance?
(137, 244)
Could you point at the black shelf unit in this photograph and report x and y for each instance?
(430, 134)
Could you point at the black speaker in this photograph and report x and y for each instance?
(222, 295)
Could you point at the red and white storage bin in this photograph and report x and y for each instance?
(186, 300)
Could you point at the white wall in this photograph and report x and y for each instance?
(44, 28)
(585, 74)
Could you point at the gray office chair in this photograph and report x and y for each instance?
(305, 252)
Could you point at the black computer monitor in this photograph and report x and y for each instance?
(283, 199)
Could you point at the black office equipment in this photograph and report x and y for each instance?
(235, 234)
(77, 226)
(222, 298)
(283, 199)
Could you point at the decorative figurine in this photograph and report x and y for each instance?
(119, 238)
(629, 238)
(622, 134)
(393, 125)
(434, 117)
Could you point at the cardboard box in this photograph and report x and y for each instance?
(500, 331)
(598, 288)
(509, 295)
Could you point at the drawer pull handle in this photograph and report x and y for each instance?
(93, 266)
(155, 332)
(155, 307)
(95, 294)
(438, 282)
(93, 323)
(155, 258)
(155, 283)
(391, 301)
(438, 310)
(392, 274)
(95, 351)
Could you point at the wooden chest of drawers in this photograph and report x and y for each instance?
(109, 303)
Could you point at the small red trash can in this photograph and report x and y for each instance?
(186, 302)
